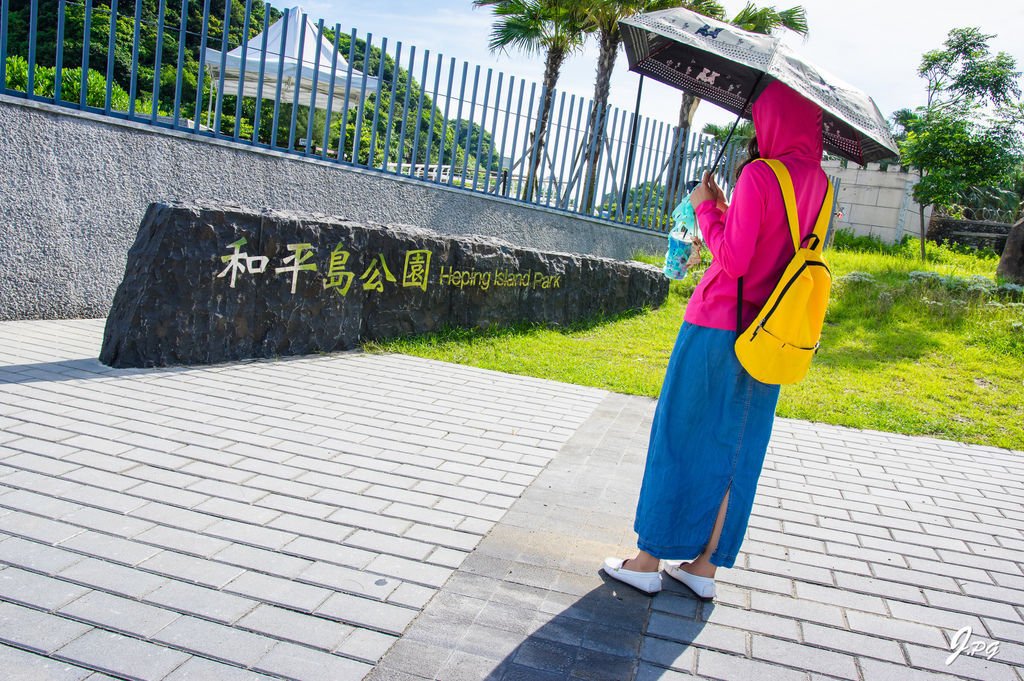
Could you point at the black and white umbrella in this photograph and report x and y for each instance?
(728, 66)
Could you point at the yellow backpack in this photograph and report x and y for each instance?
(778, 346)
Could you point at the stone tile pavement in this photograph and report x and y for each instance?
(866, 553)
(386, 517)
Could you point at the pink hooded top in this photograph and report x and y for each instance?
(751, 239)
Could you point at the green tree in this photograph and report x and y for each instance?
(968, 135)
(554, 28)
(642, 205)
(396, 83)
(447, 146)
(99, 35)
(744, 132)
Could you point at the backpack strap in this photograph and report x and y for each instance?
(789, 198)
(824, 218)
(739, 306)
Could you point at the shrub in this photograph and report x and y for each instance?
(71, 84)
(846, 240)
(857, 278)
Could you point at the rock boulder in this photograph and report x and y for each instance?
(210, 283)
(1011, 264)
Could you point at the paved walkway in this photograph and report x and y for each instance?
(386, 517)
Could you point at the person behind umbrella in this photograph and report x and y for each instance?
(713, 420)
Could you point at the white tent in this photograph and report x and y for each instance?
(285, 65)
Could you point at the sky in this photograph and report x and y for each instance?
(875, 45)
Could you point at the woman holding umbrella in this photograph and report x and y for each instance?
(713, 420)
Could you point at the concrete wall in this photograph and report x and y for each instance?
(876, 202)
(74, 186)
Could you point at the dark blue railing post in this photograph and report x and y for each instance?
(483, 128)
(638, 158)
(494, 129)
(371, 158)
(86, 39)
(589, 193)
(111, 42)
(262, 72)
(391, 107)
(280, 76)
(673, 171)
(609, 174)
(444, 122)
(223, 63)
(343, 128)
(419, 115)
(405, 109)
(314, 86)
(134, 84)
(555, 178)
(498, 181)
(507, 179)
(620, 175)
(330, 93)
(33, 21)
(452, 165)
(534, 171)
(181, 62)
(469, 127)
(357, 133)
(433, 111)
(559, 194)
(4, 6)
(201, 76)
(58, 70)
(526, 137)
(240, 95)
(157, 60)
(654, 176)
(300, 68)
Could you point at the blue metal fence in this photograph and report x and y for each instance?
(276, 79)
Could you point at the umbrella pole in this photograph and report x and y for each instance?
(725, 145)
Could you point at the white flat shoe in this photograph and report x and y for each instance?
(648, 582)
(704, 587)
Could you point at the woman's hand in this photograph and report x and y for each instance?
(708, 190)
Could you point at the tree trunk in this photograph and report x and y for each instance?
(687, 109)
(609, 50)
(921, 213)
(552, 68)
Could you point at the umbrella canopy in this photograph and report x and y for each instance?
(288, 65)
(729, 66)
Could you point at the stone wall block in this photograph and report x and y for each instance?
(891, 198)
(74, 187)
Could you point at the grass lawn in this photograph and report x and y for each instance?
(902, 353)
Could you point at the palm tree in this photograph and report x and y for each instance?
(551, 27)
(720, 133)
(602, 18)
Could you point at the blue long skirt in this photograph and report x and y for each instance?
(710, 434)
